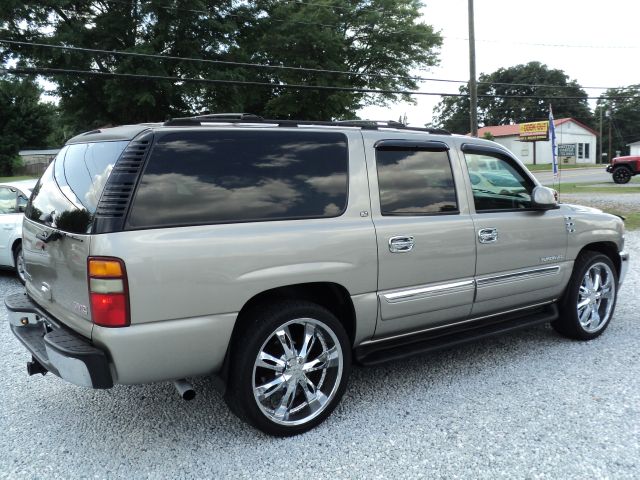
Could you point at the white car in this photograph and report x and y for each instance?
(13, 200)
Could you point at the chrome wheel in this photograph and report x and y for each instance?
(596, 297)
(297, 371)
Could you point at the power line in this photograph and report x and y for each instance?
(279, 67)
(57, 71)
(214, 62)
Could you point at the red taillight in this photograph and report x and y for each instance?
(108, 292)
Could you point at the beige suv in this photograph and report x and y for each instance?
(273, 254)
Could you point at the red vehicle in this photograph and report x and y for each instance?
(623, 168)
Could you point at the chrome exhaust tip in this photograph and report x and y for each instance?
(185, 389)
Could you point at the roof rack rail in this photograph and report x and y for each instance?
(239, 118)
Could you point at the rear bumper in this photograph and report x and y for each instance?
(57, 348)
(609, 168)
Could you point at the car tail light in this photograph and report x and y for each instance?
(108, 291)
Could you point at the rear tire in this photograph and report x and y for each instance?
(289, 367)
(622, 175)
(18, 261)
(590, 299)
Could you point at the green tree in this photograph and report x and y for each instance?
(531, 102)
(24, 120)
(621, 108)
(381, 38)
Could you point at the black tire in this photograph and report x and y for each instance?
(288, 408)
(622, 174)
(578, 292)
(18, 261)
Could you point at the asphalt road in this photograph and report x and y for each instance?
(580, 175)
(526, 405)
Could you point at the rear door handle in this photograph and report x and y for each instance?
(401, 244)
(488, 235)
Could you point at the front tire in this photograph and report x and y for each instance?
(289, 367)
(590, 299)
(621, 175)
(18, 261)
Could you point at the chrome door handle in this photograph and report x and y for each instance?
(401, 244)
(488, 235)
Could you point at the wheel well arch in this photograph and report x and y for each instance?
(332, 296)
(14, 246)
(610, 249)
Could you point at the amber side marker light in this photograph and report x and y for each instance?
(108, 292)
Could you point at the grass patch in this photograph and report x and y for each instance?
(15, 179)
(595, 188)
(632, 221)
(541, 167)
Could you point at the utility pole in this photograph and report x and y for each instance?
(473, 86)
(599, 160)
(610, 122)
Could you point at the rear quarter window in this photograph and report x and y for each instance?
(195, 178)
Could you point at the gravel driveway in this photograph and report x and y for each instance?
(623, 202)
(526, 405)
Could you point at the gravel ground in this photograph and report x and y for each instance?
(526, 405)
(623, 202)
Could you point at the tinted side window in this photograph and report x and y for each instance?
(415, 182)
(241, 176)
(497, 183)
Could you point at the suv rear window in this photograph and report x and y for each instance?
(195, 178)
(67, 194)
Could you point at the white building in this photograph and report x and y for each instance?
(634, 148)
(576, 142)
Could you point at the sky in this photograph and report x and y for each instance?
(595, 43)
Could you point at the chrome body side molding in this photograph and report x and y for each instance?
(523, 275)
(420, 292)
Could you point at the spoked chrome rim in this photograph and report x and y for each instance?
(596, 297)
(297, 372)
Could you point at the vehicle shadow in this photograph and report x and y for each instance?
(156, 412)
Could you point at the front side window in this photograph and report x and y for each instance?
(199, 178)
(415, 182)
(501, 187)
(7, 200)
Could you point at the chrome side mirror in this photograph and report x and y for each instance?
(544, 198)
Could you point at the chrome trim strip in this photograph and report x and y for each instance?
(535, 272)
(439, 327)
(417, 292)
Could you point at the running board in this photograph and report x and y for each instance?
(401, 347)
